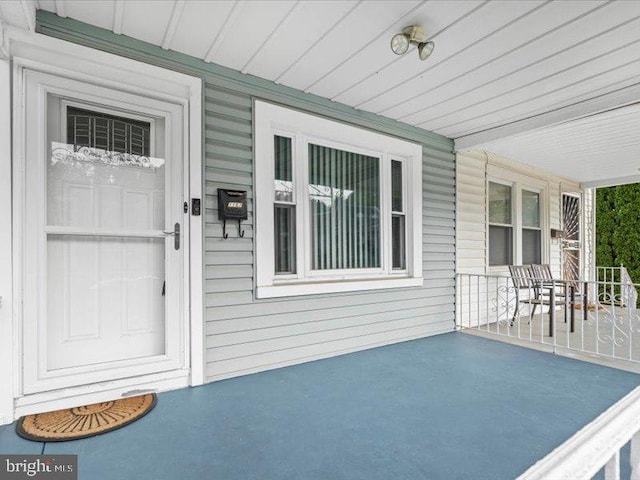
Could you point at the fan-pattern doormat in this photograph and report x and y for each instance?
(83, 422)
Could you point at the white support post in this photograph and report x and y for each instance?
(6, 297)
(612, 468)
(634, 458)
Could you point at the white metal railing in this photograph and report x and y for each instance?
(593, 317)
(595, 446)
(609, 277)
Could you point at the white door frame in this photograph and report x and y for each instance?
(6, 277)
(34, 51)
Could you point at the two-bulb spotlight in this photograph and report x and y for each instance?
(412, 35)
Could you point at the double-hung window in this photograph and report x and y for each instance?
(338, 208)
(515, 224)
(500, 224)
(531, 231)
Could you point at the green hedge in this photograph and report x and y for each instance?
(618, 228)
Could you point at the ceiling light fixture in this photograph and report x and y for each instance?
(412, 35)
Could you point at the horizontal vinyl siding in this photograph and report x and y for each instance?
(471, 221)
(471, 239)
(471, 218)
(477, 296)
(244, 334)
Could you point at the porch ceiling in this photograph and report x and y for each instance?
(496, 63)
(596, 150)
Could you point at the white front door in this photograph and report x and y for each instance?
(104, 234)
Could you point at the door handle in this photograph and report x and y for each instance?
(176, 235)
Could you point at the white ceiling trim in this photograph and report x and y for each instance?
(178, 8)
(284, 19)
(406, 117)
(393, 28)
(500, 69)
(327, 33)
(352, 86)
(612, 182)
(602, 103)
(453, 55)
(60, 10)
(29, 11)
(118, 15)
(527, 85)
(432, 37)
(461, 132)
(507, 120)
(4, 51)
(233, 16)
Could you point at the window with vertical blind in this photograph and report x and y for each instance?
(344, 201)
(338, 208)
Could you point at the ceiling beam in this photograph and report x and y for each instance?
(118, 16)
(172, 26)
(234, 14)
(60, 8)
(611, 182)
(4, 51)
(608, 101)
(29, 12)
(266, 41)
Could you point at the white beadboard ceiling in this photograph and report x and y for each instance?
(597, 150)
(496, 62)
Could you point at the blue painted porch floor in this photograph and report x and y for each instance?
(449, 407)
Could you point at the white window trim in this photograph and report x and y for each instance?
(519, 182)
(269, 120)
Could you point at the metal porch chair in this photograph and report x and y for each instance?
(536, 279)
(543, 284)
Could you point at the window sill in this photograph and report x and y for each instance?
(311, 288)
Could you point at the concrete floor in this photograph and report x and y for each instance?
(449, 407)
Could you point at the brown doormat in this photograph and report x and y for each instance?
(83, 422)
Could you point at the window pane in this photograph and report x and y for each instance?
(285, 245)
(398, 242)
(100, 180)
(530, 209)
(344, 191)
(499, 203)
(531, 247)
(283, 173)
(396, 186)
(86, 128)
(500, 245)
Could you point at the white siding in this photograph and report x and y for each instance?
(245, 334)
(471, 224)
(473, 170)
